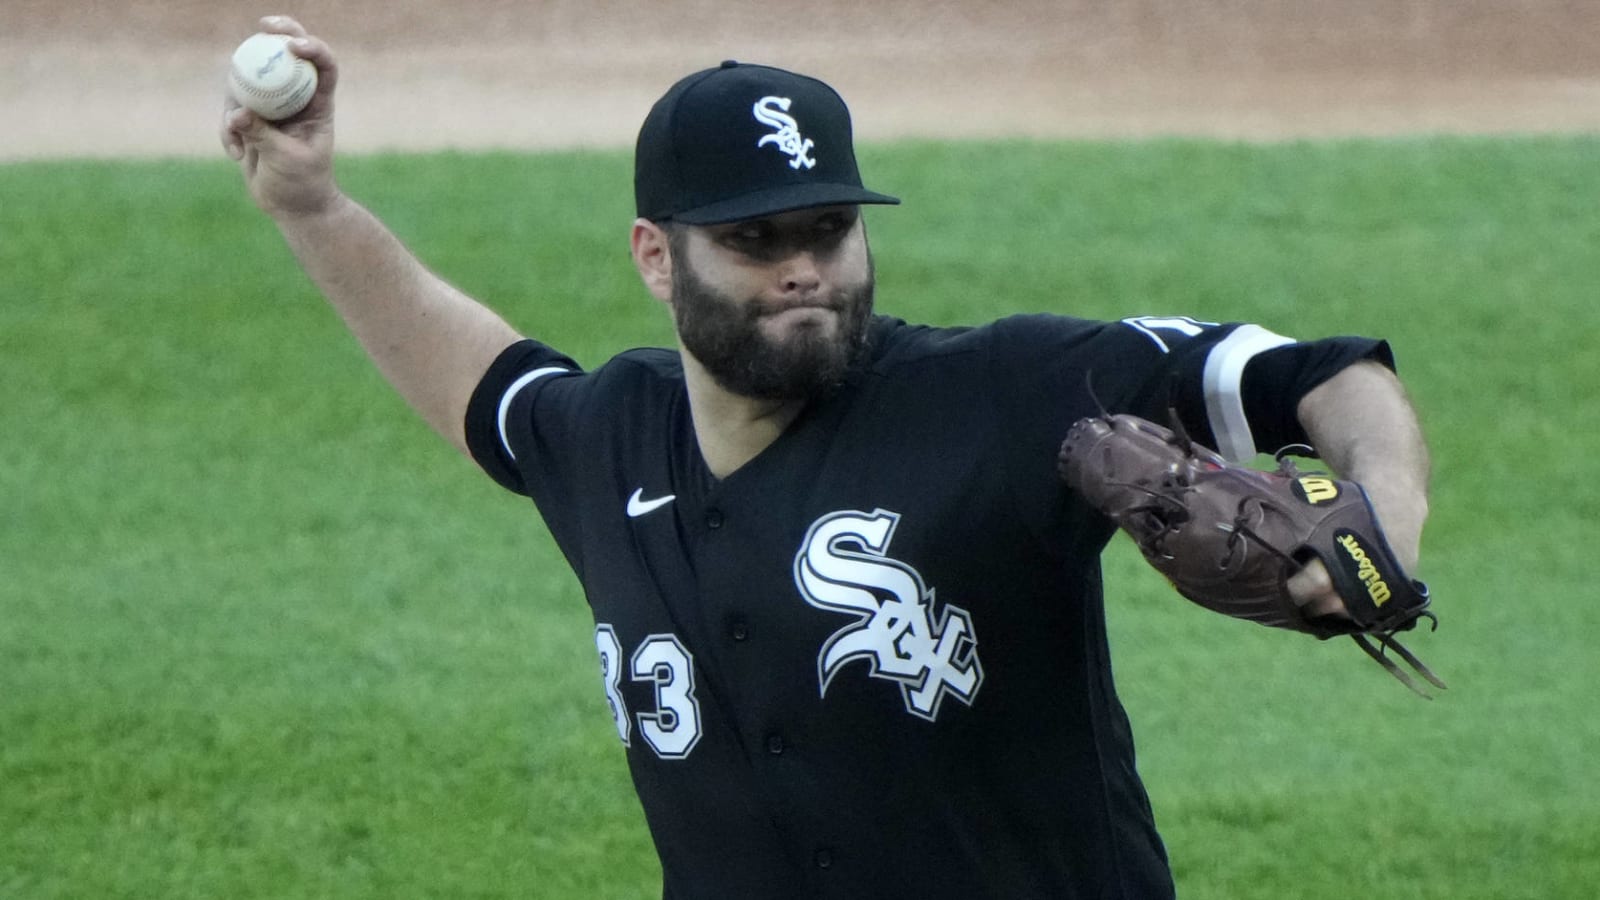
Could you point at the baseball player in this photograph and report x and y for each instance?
(849, 620)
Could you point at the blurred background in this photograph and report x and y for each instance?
(263, 635)
(101, 78)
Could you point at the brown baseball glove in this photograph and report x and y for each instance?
(1229, 537)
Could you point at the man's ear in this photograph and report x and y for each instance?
(652, 256)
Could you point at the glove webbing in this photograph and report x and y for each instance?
(1380, 656)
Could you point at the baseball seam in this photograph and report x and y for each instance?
(292, 87)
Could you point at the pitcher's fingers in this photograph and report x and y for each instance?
(1312, 590)
(231, 142)
(282, 25)
(255, 133)
(316, 51)
(235, 119)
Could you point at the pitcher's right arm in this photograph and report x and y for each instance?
(432, 342)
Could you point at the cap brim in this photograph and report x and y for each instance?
(786, 198)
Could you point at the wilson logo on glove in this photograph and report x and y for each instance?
(1229, 537)
(1365, 571)
(1315, 489)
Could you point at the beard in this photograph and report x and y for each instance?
(726, 337)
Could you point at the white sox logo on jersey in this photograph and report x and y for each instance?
(844, 566)
(787, 137)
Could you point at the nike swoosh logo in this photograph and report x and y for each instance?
(638, 506)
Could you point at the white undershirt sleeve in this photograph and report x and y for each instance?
(1224, 374)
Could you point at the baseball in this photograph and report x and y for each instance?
(268, 79)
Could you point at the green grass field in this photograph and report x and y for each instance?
(263, 635)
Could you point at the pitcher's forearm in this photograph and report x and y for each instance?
(1364, 427)
(432, 342)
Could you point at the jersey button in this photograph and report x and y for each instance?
(739, 631)
(823, 858)
(775, 744)
(713, 518)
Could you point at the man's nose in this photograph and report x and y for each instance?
(800, 273)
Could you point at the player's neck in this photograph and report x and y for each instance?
(732, 429)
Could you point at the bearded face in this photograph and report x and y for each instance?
(738, 343)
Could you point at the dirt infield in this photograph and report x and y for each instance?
(89, 78)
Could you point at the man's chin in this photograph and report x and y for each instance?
(799, 360)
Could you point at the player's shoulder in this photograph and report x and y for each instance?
(646, 363)
(1130, 342)
(896, 341)
(633, 380)
(639, 370)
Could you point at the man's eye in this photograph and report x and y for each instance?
(834, 226)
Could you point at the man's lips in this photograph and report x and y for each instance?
(778, 307)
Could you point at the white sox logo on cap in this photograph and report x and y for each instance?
(705, 154)
(787, 138)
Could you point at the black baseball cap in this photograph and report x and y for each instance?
(742, 141)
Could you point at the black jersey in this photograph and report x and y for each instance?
(872, 661)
